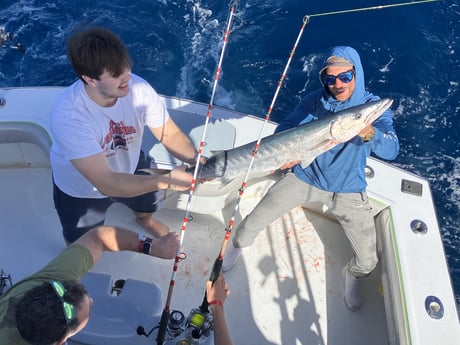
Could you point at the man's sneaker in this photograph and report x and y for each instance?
(353, 296)
(231, 257)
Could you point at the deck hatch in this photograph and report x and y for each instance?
(411, 187)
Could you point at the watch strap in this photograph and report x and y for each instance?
(145, 244)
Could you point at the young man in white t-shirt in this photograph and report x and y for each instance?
(97, 127)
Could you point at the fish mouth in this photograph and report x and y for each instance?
(384, 104)
(363, 116)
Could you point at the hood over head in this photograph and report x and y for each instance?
(345, 56)
(336, 61)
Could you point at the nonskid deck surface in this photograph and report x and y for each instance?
(30, 228)
(286, 289)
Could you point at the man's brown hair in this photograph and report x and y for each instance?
(93, 50)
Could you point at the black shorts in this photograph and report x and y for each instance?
(79, 215)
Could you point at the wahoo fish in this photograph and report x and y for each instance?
(302, 143)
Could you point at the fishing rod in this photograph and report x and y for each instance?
(217, 266)
(199, 323)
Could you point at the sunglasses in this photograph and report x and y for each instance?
(70, 312)
(344, 77)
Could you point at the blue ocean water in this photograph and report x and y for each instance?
(410, 53)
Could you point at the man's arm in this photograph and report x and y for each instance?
(384, 141)
(216, 294)
(96, 170)
(175, 141)
(112, 238)
(302, 113)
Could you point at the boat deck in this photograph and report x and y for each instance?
(286, 289)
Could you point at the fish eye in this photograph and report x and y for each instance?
(358, 116)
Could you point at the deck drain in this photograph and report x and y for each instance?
(369, 171)
(434, 307)
(419, 227)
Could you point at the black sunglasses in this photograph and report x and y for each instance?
(344, 77)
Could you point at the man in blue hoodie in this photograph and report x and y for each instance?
(336, 177)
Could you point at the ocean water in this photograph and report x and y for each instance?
(410, 53)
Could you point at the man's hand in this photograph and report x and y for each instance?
(217, 291)
(165, 247)
(178, 179)
(367, 133)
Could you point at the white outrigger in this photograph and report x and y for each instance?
(288, 287)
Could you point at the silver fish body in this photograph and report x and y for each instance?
(303, 143)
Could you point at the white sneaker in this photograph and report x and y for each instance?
(353, 296)
(231, 257)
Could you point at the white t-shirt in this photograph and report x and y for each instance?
(81, 128)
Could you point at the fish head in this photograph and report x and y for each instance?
(349, 122)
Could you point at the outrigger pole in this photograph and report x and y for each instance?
(166, 312)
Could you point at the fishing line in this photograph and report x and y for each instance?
(166, 312)
(379, 7)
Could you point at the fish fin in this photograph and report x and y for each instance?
(322, 147)
(215, 152)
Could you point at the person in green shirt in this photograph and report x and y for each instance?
(51, 305)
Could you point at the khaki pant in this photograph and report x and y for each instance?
(352, 210)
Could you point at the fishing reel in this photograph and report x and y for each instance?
(198, 326)
(193, 330)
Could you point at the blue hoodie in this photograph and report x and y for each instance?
(341, 169)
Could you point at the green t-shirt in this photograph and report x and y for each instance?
(71, 264)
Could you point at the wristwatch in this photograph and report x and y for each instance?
(145, 244)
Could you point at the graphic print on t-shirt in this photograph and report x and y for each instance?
(118, 136)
